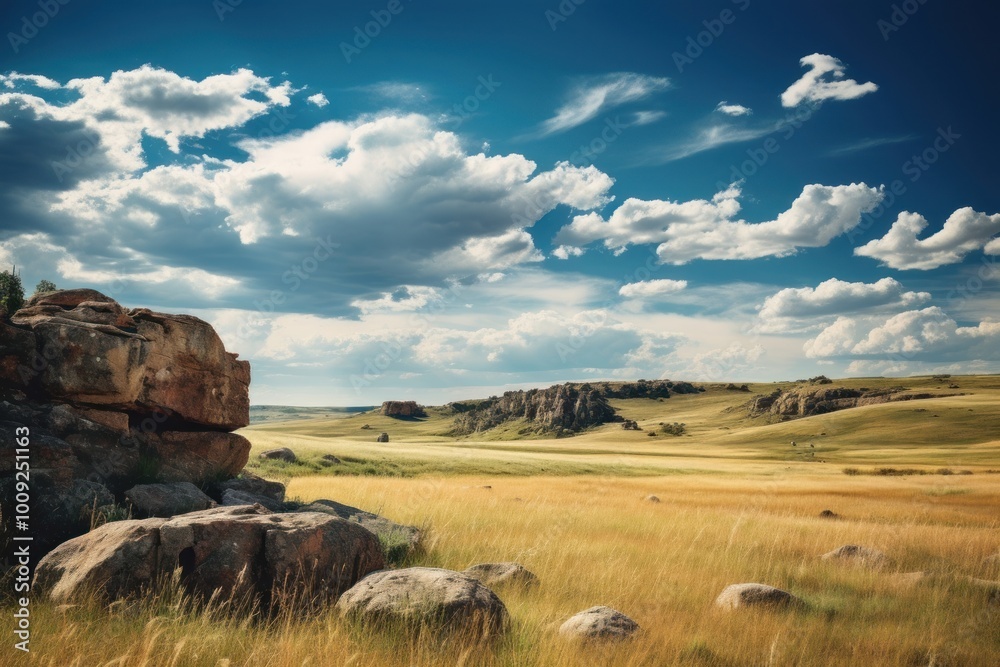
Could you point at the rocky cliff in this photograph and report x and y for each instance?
(112, 398)
(807, 401)
(402, 409)
(557, 409)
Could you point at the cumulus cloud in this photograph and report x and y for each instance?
(801, 309)
(728, 363)
(329, 216)
(702, 229)
(963, 232)
(596, 95)
(824, 81)
(319, 99)
(926, 335)
(646, 289)
(733, 109)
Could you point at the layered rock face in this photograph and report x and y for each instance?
(558, 408)
(114, 398)
(810, 401)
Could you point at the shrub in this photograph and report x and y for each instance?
(674, 429)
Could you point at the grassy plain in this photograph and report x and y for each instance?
(737, 503)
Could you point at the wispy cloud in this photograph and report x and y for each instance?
(706, 140)
(595, 95)
(866, 144)
(396, 91)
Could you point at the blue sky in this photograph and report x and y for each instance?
(437, 200)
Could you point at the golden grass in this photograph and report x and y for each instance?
(595, 540)
(737, 505)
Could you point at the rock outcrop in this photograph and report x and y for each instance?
(503, 574)
(558, 409)
(808, 401)
(243, 552)
(425, 596)
(599, 623)
(402, 409)
(113, 398)
(166, 500)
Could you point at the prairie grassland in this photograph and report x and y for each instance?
(737, 504)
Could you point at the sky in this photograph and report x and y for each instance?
(417, 200)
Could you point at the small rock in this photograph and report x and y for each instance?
(857, 555)
(167, 500)
(382, 437)
(234, 497)
(738, 596)
(494, 574)
(599, 623)
(280, 454)
(828, 514)
(330, 458)
(419, 595)
(248, 483)
(653, 499)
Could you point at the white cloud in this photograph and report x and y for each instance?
(816, 86)
(701, 229)
(927, 335)
(567, 251)
(733, 109)
(599, 94)
(646, 289)
(319, 99)
(10, 80)
(801, 309)
(964, 231)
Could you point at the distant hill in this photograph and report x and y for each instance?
(261, 414)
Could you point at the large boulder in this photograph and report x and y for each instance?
(425, 596)
(250, 483)
(739, 596)
(239, 552)
(599, 623)
(167, 500)
(398, 539)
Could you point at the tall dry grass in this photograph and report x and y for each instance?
(597, 540)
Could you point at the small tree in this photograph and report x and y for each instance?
(11, 291)
(45, 286)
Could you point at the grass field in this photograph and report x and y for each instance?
(737, 504)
